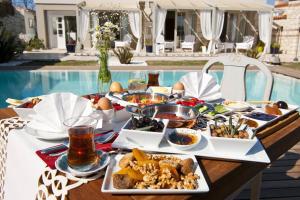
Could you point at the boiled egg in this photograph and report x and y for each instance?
(104, 104)
(178, 86)
(116, 87)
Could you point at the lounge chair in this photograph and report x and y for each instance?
(225, 46)
(246, 44)
(189, 42)
(124, 43)
(233, 85)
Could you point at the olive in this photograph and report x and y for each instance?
(134, 123)
(282, 104)
(146, 120)
(161, 125)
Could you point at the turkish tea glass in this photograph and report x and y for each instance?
(82, 154)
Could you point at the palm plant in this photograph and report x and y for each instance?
(123, 54)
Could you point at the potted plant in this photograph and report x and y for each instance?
(275, 48)
(148, 44)
(124, 55)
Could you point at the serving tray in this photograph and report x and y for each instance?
(107, 186)
(256, 154)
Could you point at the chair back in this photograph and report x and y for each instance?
(160, 39)
(233, 84)
(189, 38)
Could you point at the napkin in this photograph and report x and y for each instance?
(56, 108)
(201, 85)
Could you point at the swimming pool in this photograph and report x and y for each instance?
(21, 84)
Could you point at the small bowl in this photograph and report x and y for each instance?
(144, 138)
(184, 131)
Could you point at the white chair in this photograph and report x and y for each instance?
(124, 43)
(233, 84)
(246, 44)
(160, 44)
(189, 42)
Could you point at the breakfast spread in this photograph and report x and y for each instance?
(140, 170)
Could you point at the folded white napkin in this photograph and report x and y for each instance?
(55, 108)
(201, 85)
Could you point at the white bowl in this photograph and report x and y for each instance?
(106, 115)
(235, 146)
(144, 138)
(185, 131)
(121, 115)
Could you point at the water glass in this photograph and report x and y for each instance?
(82, 154)
(137, 82)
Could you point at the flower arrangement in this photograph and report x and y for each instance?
(104, 36)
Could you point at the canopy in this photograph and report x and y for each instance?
(109, 4)
(249, 5)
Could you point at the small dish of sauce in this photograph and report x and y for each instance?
(183, 138)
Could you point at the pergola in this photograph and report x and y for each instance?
(213, 8)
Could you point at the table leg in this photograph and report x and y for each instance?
(255, 186)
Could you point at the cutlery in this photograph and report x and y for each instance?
(98, 139)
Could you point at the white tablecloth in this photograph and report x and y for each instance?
(23, 166)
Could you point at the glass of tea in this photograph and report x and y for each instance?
(82, 154)
(153, 79)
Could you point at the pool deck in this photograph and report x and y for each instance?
(275, 69)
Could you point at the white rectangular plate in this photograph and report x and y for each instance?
(204, 148)
(285, 112)
(107, 186)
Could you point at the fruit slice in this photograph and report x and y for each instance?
(139, 155)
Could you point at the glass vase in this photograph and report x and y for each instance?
(104, 74)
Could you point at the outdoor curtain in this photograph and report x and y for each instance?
(265, 29)
(134, 21)
(84, 23)
(160, 18)
(210, 30)
(188, 24)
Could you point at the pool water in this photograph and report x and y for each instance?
(22, 84)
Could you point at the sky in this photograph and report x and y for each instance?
(21, 3)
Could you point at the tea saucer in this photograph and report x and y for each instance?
(61, 164)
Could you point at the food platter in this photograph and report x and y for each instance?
(113, 167)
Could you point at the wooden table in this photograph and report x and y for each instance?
(224, 177)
